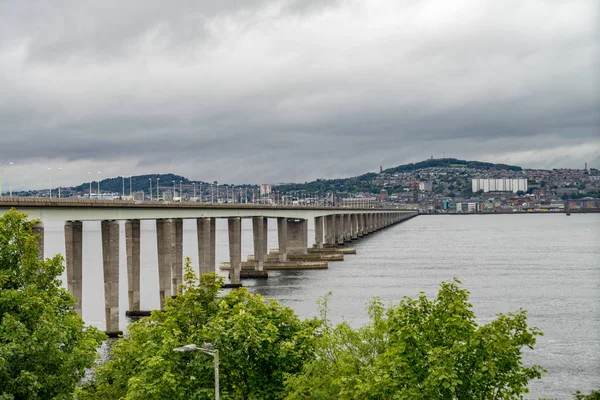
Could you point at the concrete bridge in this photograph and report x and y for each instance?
(333, 228)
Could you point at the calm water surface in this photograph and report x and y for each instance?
(546, 264)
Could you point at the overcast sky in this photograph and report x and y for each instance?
(293, 90)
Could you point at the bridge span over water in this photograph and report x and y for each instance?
(334, 227)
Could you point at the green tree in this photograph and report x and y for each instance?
(44, 345)
(421, 349)
(594, 395)
(259, 341)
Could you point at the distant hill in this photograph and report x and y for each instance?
(451, 162)
(138, 182)
(363, 183)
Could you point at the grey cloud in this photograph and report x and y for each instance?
(292, 91)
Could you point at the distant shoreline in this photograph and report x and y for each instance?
(591, 211)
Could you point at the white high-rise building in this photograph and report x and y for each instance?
(499, 185)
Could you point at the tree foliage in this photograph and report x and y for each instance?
(259, 342)
(44, 345)
(421, 349)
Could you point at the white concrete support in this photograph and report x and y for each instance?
(282, 238)
(330, 231)
(110, 261)
(177, 256)
(354, 219)
(361, 224)
(38, 229)
(206, 245)
(74, 260)
(163, 243)
(258, 230)
(266, 236)
(297, 236)
(347, 228)
(339, 229)
(132, 248)
(319, 232)
(235, 248)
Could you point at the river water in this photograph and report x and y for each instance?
(546, 264)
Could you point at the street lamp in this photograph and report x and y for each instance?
(194, 185)
(130, 188)
(207, 349)
(10, 180)
(99, 185)
(173, 190)
(50, 181)
(59, 169)
(90, 176)
(157, 189)
(150, 179)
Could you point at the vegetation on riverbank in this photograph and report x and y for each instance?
(44, 345)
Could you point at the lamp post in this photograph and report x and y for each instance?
(90, 178)
(10, 180)
(150, 179)
(157, 189)
(207, 349)
(180, 192)
(99, 184)
(130, 188)
(173, 190)
(50, 181)
(194, 185)
(217, 191)
(59, 169)
(123, 195)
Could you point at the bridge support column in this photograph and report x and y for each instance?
(164, 239)
(354, 221)
(132, 248)
(347, 228)
(177, 257)
(282, 238)
(38, 229)
(110, 261)
(330, 231)
(235, 248)
(74, 258)
(206, 245)
(339, 225)
(319, 232)
(258, 230)
(360, 227)
(297, 236)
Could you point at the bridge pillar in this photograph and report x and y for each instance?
(258, 230)
(330, 231)
(132, 248)
(266, 235)
(297, 236)
(206, 245)
(282, 238)
(319, 232)
(347, 228)
(361, 225)
(164, 239)
(110, 261)
(177, 257)
(235, 248)
(354, 219)
(38, 229)
(339, 225)
(74, 259)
